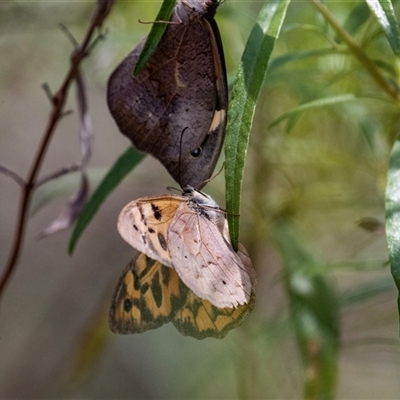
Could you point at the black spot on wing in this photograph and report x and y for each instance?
(156, 289)
(144, 288)
(163, 242)
(128, 305)
(196, 153)
(156, 212)
(142, 216)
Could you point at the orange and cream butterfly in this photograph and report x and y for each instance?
(150, 294)
(190, 234)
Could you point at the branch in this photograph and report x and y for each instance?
(358, 52)
(11, 174)
(58, 102)
(61, 172)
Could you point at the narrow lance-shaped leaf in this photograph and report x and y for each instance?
(357, 18)
(313, 104)
(125, 163)
(314, 308)
(155, 35)
(250, 76)
(384, 12)
(393, 215)
(278, 62)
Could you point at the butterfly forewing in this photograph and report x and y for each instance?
(144, 225)
(182, 88)
(205, 261)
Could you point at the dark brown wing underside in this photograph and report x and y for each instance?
(179, 90)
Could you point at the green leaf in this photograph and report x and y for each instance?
(384, 12)
(314, 308)
(125, 163)
(357, 18)
(313, 104)
(393, 215)
(155, 35)
(365, 292)
(280, 61)
(249, 78)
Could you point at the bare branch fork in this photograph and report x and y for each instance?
(58, 101)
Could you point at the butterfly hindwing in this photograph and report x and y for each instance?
(150, 294)
(147, 296)
(201, 319)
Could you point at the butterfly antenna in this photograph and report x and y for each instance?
(174, 189)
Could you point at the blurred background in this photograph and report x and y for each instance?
(313, 198)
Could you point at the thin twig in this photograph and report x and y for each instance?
(11, 174)
(69, 35)
(47, 90)
(61, 172)
(58, 102)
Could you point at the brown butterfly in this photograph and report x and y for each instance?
(181, 88)
(190, 234)
(150, 294)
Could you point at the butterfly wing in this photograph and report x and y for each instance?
(147, 296)
(201, 319)
(144, 223)
(182, 88)
(205, 260)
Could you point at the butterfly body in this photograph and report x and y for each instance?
(181, 88)
(190, 234)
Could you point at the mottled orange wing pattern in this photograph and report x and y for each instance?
(150, 294)
(146, 297)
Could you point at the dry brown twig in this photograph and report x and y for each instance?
(58, 101)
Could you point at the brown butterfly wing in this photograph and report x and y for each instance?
(182, 88)
(147, 296)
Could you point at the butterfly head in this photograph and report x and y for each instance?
(205, 8)
(199, 197)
